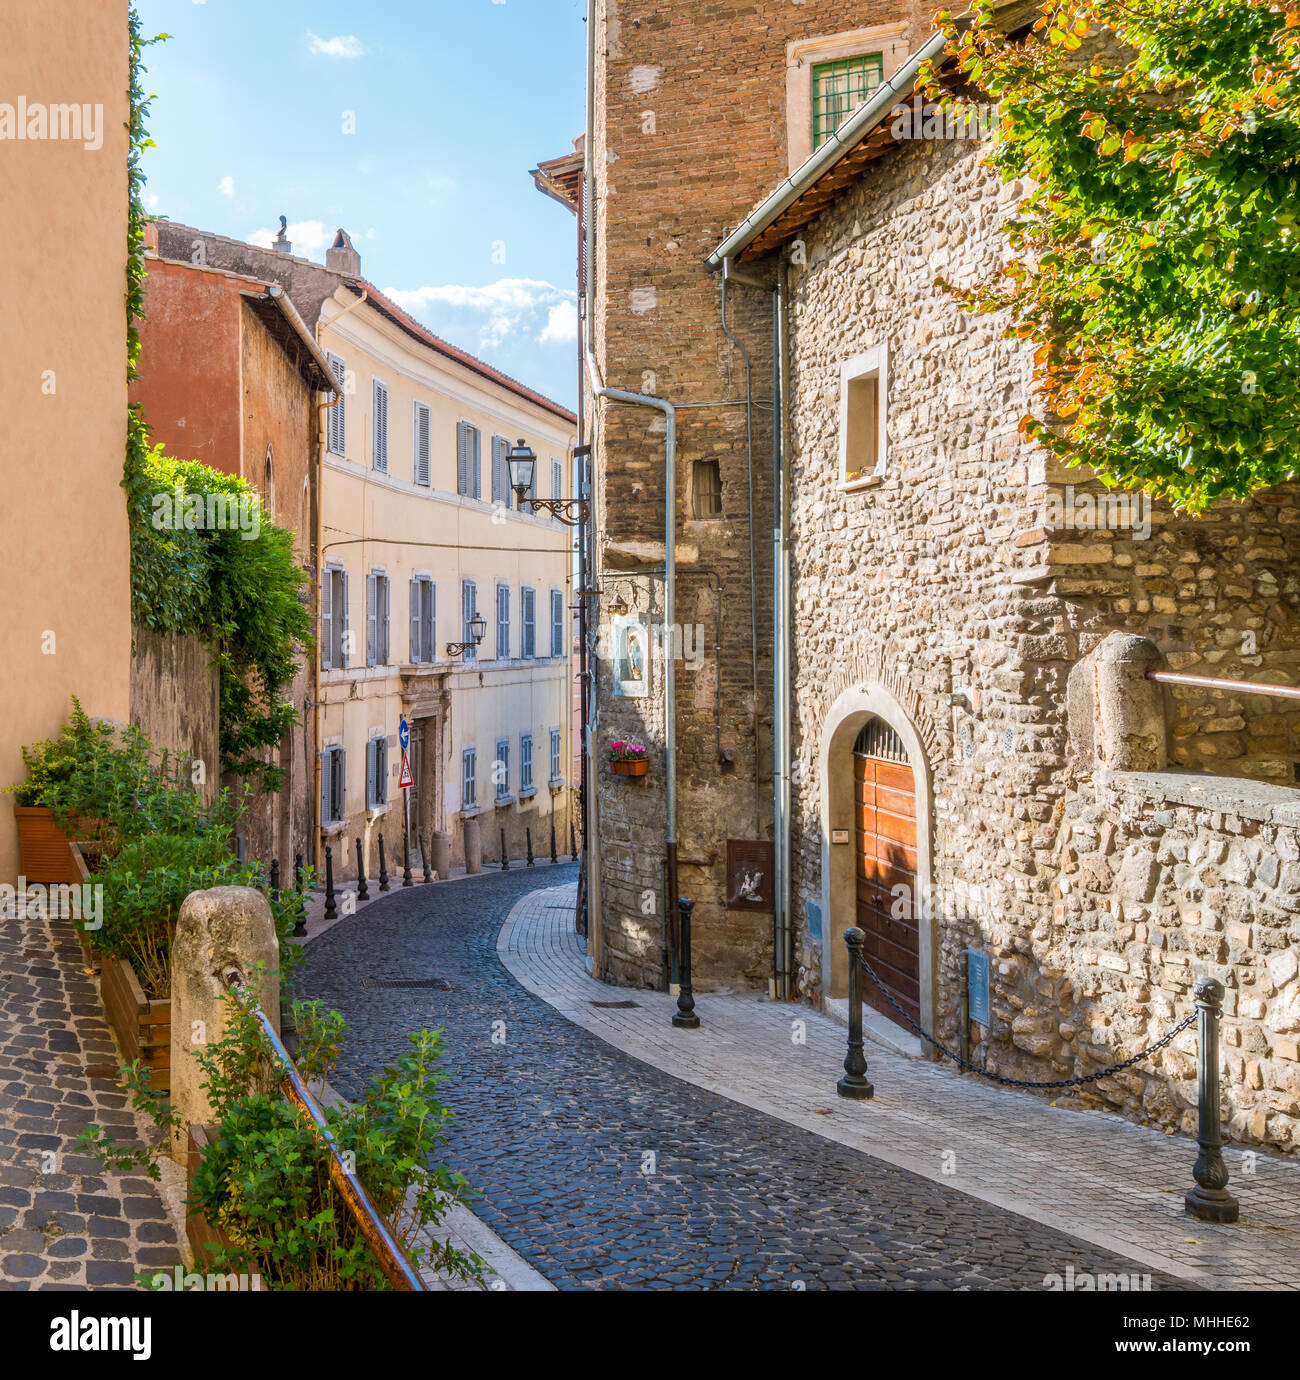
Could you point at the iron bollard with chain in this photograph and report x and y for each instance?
(854, 1083)
(505, 857)
(363, 891)
(1210, 1200)
(331, 910)
(528, 842)
(684, 1017)
(383, 866)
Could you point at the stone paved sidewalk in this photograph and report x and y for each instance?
(1091, 1175)
(64, 1224)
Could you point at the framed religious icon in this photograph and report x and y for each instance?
(632, 655)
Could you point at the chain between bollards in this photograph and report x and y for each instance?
(1210, 1200)
(684, 1018)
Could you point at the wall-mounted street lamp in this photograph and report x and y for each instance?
(477, 628)
(573, 512)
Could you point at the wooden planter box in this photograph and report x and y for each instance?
(82, 851)
(43, 847)
(202, 1235)
(143, 1027)
(635, 767)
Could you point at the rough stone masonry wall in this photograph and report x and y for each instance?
(1165, 878)
(690, 133)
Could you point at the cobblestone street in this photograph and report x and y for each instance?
(602, 1171)
(64, 1224)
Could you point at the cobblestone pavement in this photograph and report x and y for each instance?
(1092, 1175)
(602, 1171)
(63, 1223)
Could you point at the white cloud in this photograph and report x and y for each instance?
(152, 201)
(310, 239)
(511, 309)
(561, 325)
(226, 186)
(340, 46)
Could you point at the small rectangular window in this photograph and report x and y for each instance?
(468, 608)
(469, 779)
(557, 479)
(376, 773)
(335, 642)
(376, 619)
(503, 622)
(839, 88)
(864, 402)
(501, 768)
(380, 424)
(706, 489)
(557, 763)
(528, 622)
(526, 762)
(500, 472)
(333, 786)
(423, 610)
(421, 443)
(468, 461)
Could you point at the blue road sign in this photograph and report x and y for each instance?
(404, 735)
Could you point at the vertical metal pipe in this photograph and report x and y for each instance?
(854, 1084)
(684, 1018)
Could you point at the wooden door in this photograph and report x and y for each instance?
(887, 902)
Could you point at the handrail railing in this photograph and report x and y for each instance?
(1245, 687)
(393, 1261)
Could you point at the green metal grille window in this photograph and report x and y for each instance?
(839, 88)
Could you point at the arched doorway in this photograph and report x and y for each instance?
(876, 807)
(884, 841)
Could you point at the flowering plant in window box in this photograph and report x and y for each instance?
(628, 759)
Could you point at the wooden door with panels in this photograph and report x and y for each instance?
(887, 901)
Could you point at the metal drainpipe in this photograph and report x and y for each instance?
(598, 390)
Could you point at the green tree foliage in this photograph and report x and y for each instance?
(1157, 251)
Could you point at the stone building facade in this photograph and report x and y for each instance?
(698, 110)
(946, 592)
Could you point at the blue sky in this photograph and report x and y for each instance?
(453, 102)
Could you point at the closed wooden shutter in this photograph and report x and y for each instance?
(383, 620)
(326, 620)
(326, 786)
(462, 458)
(338, 422)
(422, 442)
(503, 622)
(381, 426)
(526, 762)
(371, 771)
(557, 622)
(528, 618)
(429, 621)
(413, 608)
(476, 458)
(500, 486)
(372, 619)
(468, 603)
(345, 657)
(557, 479)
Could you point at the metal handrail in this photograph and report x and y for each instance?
(1245, 687)
(393, 1261)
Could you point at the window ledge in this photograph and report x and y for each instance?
(502, 801)
(557, 783)
(527, 793)
(334, 829)
(469, 812)
(374, 812)
(852, 486)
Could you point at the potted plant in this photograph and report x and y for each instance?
(628, 759)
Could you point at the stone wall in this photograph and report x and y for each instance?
(176, 701)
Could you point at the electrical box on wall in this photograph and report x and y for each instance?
(749, 875)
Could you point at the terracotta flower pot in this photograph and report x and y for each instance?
(636, 766)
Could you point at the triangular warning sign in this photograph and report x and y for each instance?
(406, 779)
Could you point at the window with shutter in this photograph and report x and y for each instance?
(501, 768)
(462, 457)
(372, 614)
(469, 779)
(475, 459)
(429, 621)
(468, 608)
(327, 620)
(503, 622)
(338, 433)
(422, 443)
(413, 612)
(526, 762)
(500, 472)
(556, 762)
(340, 784)
(557, 622)
(528, 622)
(345, 636)
(370, 774)
(332, 785)
(557, 479)
(383, 620)
(380, 410)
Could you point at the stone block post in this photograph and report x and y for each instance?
(1117, 715)
(229, 926)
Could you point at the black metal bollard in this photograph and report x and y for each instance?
(300, 924)
(505, 861)
(573, 843)
(854, 1083)
(684, 1018)
(275, 880)
(424, 861)
(553, 857)
(1210, 1200)
(406, 844)
(363, 891)
(331, 910)
(383, 866)
(528, 843)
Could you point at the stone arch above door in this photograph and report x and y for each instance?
(850, 711)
